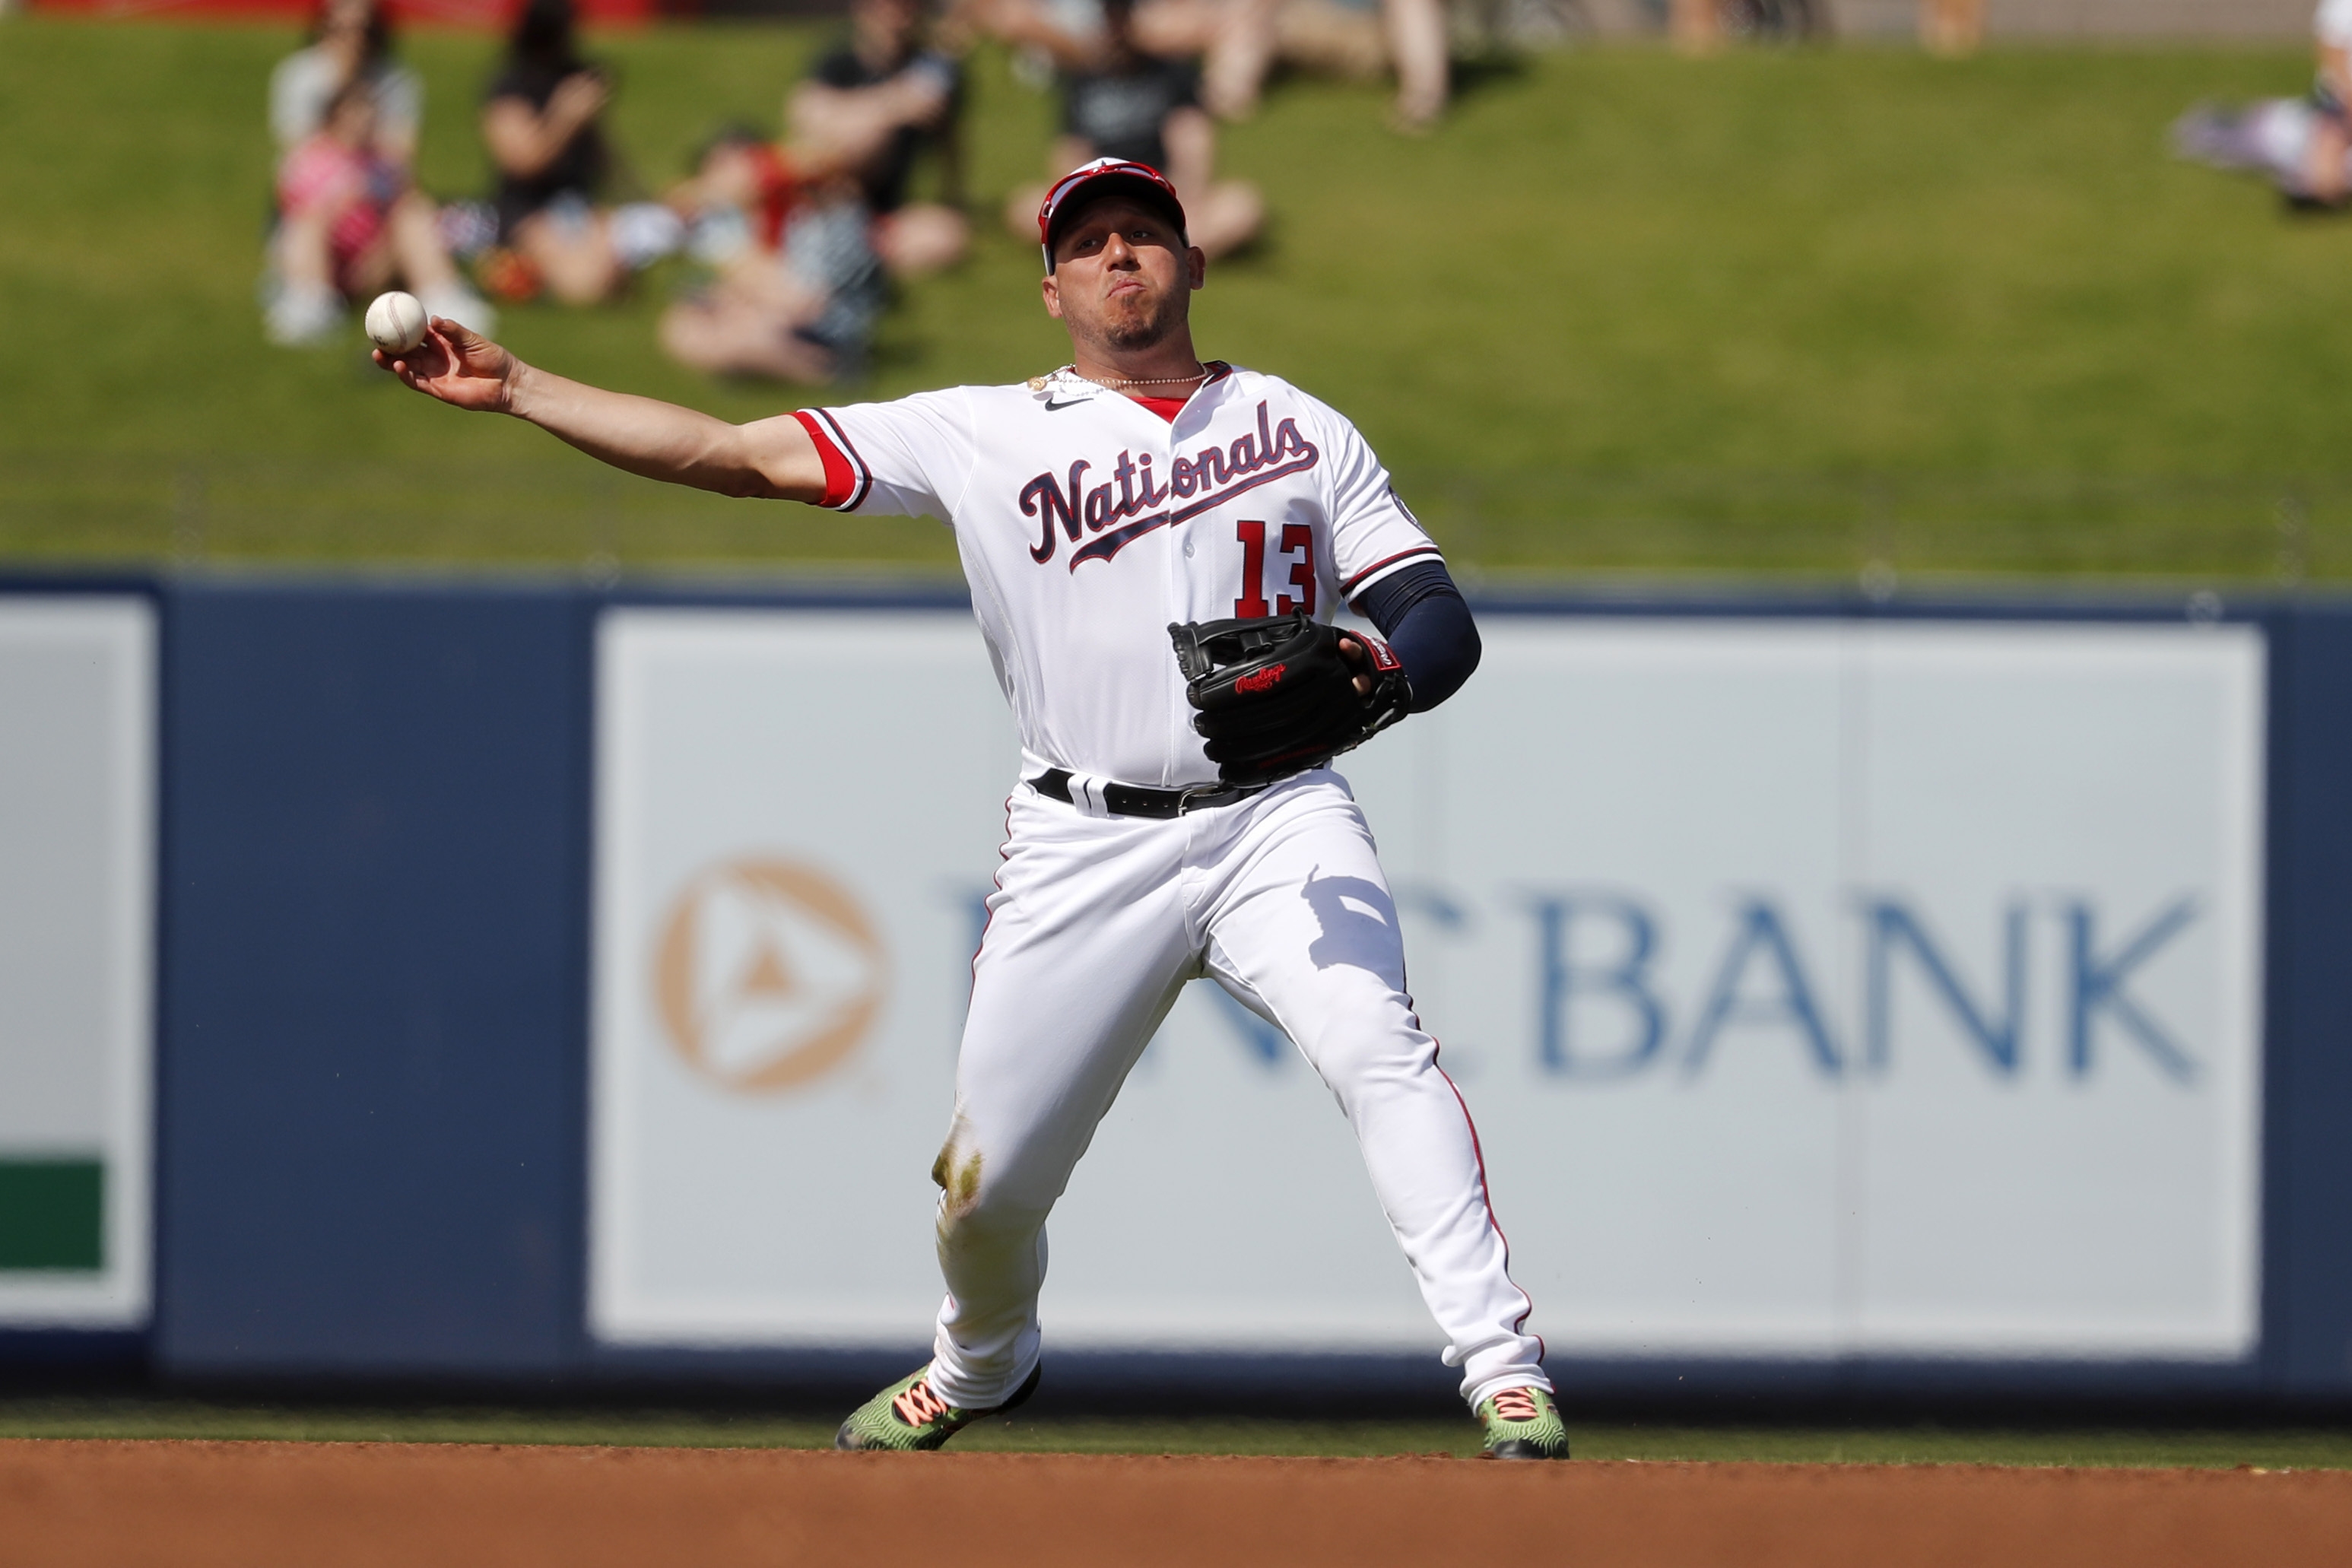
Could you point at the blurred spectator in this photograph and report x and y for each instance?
(2303, 145)
(2276, 138)
(1241, 41)
(1359, 39)
(2323, 179)
(350, 225)
(1695, 25)
(1700, 27)
(1951, 27)
(347, 221)
(869, 108)
(1122, 100)
(541, 123)
(799, 237)
(350, 40)
(797, 285)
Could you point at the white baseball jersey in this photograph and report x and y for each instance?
(1087, 524)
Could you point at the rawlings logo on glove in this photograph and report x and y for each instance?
(1276, 696)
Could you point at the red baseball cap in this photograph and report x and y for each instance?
(1100, 177)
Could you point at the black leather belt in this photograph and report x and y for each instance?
(1134, 800)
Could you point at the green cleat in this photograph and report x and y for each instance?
(907, 1416)
(1523, 1424)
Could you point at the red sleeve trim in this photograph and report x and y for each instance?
(861, 476)
(838, 479)
(1347, 589)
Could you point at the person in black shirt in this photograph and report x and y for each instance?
(539, 122)
(1120, 101)
(1119, 106)
(873, 105)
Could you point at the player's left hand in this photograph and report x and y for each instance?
(457, 365)
(1278, 694)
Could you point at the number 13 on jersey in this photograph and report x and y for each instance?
(1297, 547)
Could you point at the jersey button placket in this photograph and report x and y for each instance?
(1180, 715)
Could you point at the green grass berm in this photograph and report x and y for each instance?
(1784, 311)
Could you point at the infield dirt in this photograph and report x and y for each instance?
(325, 1505)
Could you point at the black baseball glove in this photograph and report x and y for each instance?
(1275, 695)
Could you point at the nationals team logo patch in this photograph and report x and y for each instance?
(767, 974)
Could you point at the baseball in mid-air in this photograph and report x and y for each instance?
(396, 322)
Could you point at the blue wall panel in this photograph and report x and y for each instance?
(373, 994)
(2308, 1276)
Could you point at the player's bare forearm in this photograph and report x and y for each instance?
(770, 459)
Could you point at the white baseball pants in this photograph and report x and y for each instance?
(1096, 923)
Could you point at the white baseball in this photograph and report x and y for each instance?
(396, 322)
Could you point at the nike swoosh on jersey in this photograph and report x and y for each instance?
(1073, 403)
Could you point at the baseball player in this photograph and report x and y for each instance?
(1174, 818)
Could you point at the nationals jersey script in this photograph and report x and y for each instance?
(1087, 524)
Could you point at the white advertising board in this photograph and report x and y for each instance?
(77, 973)
(1819, 988)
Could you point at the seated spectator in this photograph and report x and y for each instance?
(315, 264)
(2273, 137)
(1122, 100)
(349, 226)
(1346, 38)
(2323, 181)
(1703, 26)
(541, 124)
(1948, 27)
(797, 286)
(2302, 145)
(870, 107)
(1241, 41)
(350, 40)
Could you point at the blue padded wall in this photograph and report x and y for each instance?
(372, 1050)
(2307, 1208)
(372, 1022)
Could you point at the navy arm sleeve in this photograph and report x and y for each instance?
(1427, 623)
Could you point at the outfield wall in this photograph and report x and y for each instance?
(558, 983)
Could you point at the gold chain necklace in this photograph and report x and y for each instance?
(1039, 383)
(1200, 374)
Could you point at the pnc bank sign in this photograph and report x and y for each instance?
(1820, 988)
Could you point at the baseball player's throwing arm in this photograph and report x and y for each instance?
(768, 458)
